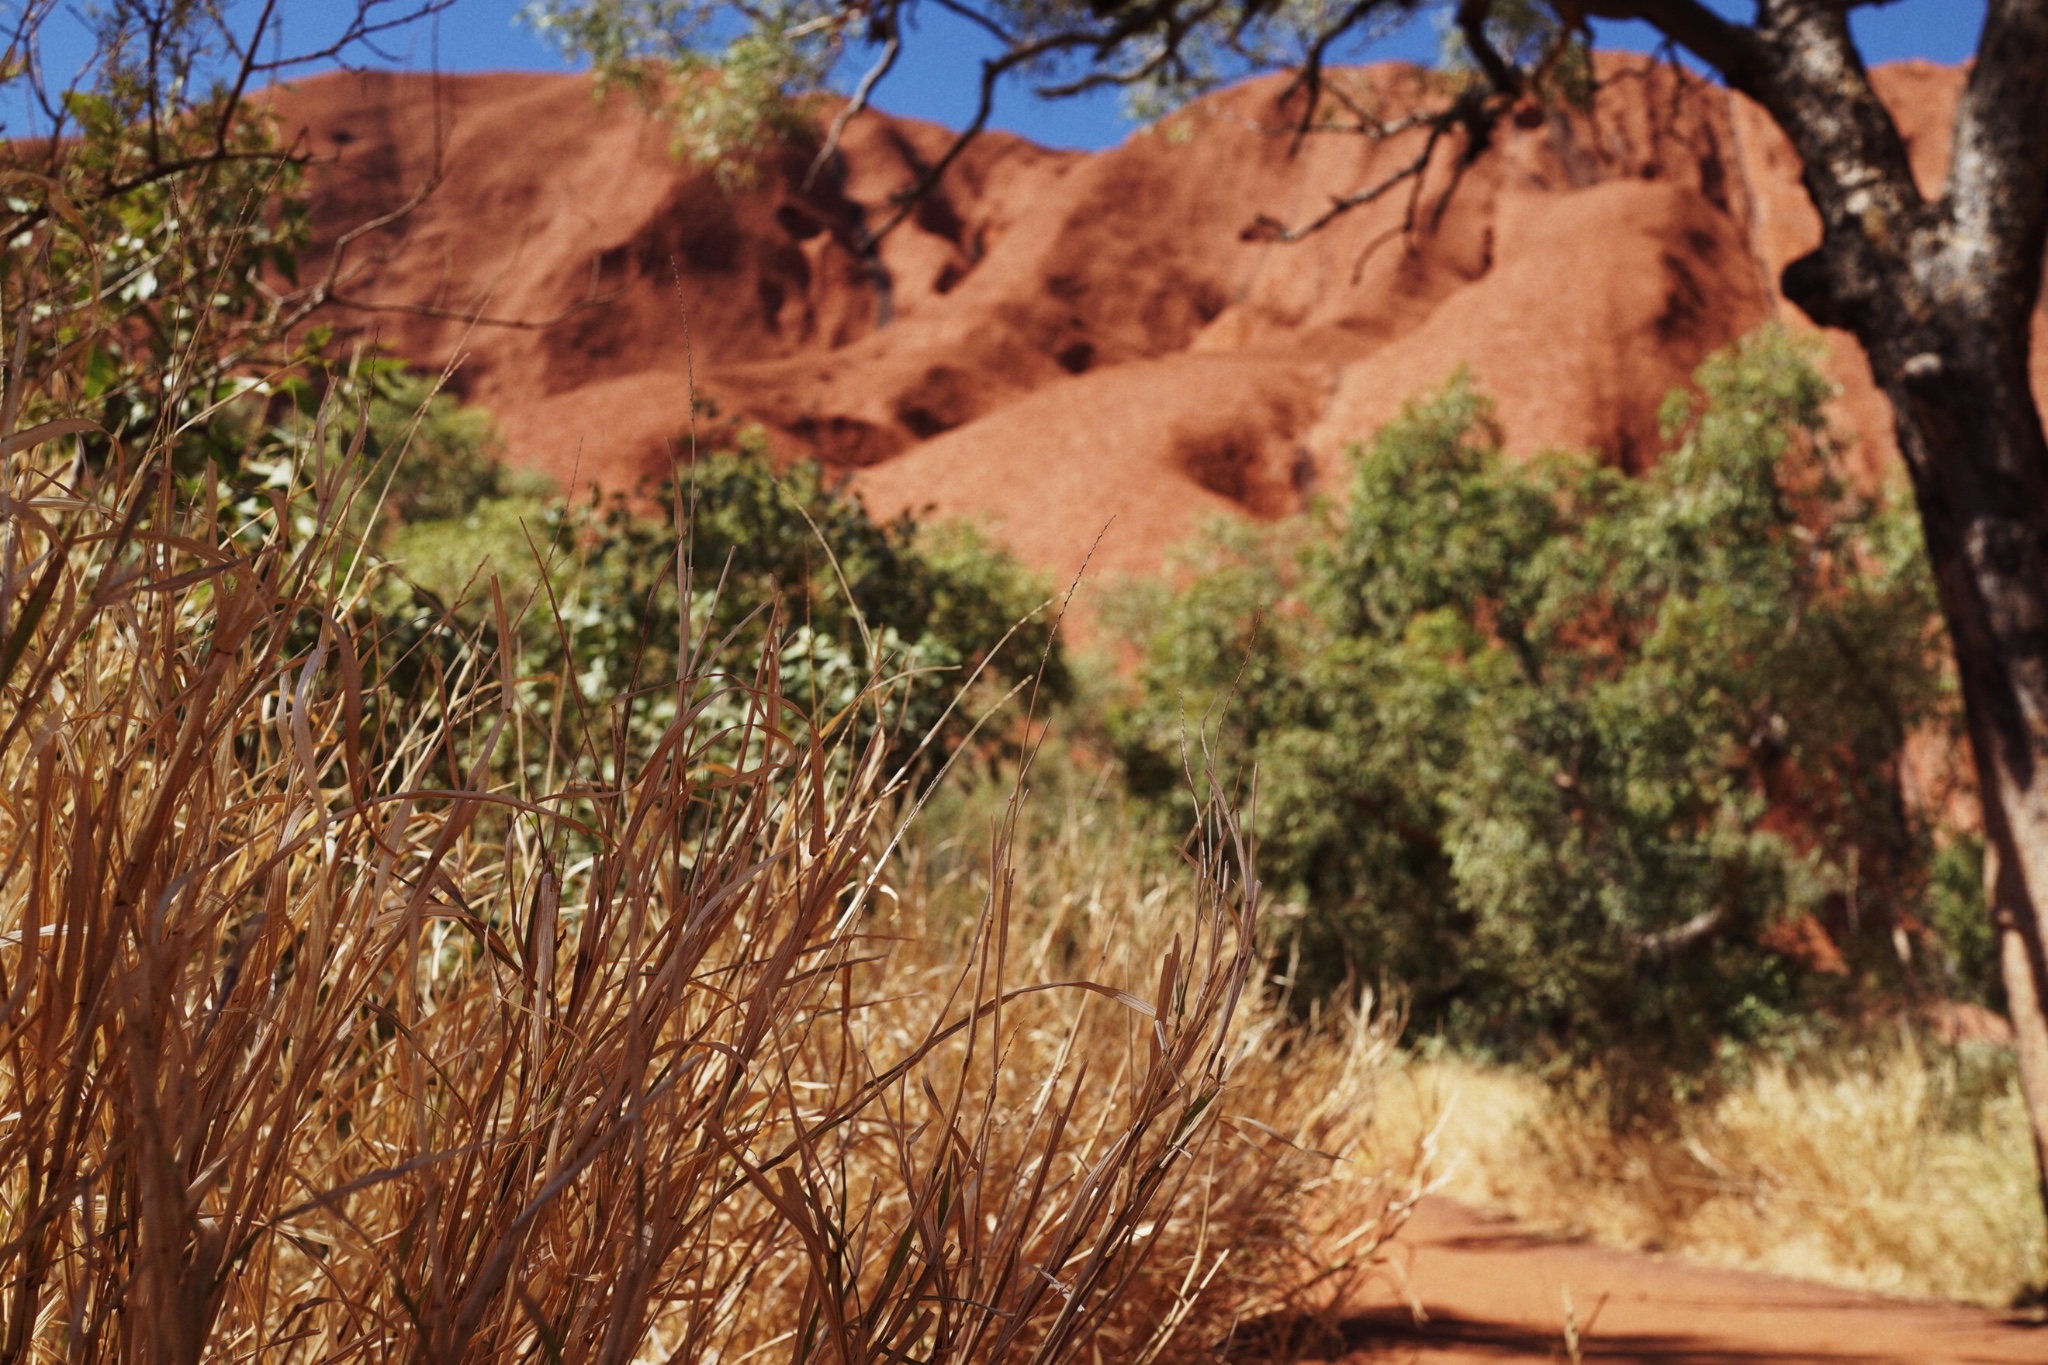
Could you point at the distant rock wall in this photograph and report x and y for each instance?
(1059, 342)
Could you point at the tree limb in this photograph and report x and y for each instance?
(1308, 77)
(1474, 111)
(861, 93)
(1664, 944)
(1471, 19)
(1730, 48)
(1998, 184)
(1268, 229)
(474, 319)
(992, 71)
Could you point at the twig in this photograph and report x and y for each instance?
(861, 92)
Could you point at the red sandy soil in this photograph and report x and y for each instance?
(1494, 1292)
(1066, 339)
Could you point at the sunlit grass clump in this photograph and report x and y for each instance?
(353, 1012)
(1899, 1166)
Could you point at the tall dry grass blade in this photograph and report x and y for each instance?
(330, 1033)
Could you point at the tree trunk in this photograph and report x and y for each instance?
(1941, 293)
(1979, 463)
(2019, 961)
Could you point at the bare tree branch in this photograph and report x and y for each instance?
(1267, 229)
(1664, 944)
(155, 21)
(1308, 78)
(992, 70)
(474, 319)
(245, 69)
(976, 17)
(861, 92)
(1728, 47)
(359, 33)
(1474, 112)
(1471, 19)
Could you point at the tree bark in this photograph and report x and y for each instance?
(2019, 962)
(1986, 525)
(1941, 294)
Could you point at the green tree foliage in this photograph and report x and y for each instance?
(1565, 752)
(730, 88)
(439, 460)
(595, 594)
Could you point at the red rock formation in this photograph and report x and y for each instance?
(1057, 342)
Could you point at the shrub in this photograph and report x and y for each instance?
(433, 459)
(1595, 766)
(788, 561)
(153, 232)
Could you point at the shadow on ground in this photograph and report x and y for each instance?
(1395, 1334)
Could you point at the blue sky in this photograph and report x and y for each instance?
(936, 79)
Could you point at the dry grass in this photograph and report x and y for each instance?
(1300, 1174)
(327, 1041)
(1899, 1166)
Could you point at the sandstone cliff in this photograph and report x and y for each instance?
(1058, 339)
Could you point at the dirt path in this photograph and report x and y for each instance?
(1494, 1293)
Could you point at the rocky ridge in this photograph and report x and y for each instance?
(1058, 342)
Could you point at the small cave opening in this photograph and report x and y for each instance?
(941, 400)
(1231, 463)
(1076, 357)
(798, 222)
(846, 442)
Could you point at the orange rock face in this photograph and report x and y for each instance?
(1078, 351)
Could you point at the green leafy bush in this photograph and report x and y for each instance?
(594, 592)
(438, 459)
(150, 280)
(1583, 761)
